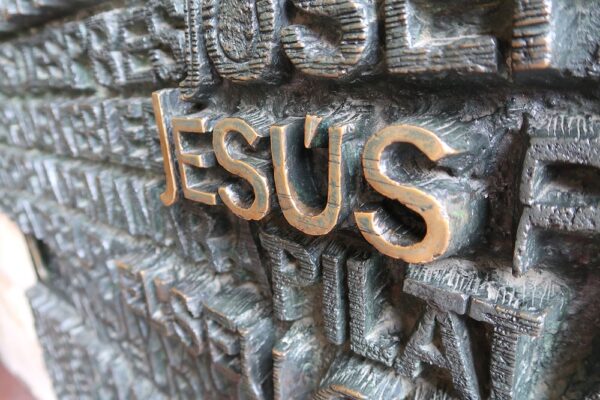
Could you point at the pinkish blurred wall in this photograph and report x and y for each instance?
(20, 352)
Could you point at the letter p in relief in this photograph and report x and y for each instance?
(450, 207)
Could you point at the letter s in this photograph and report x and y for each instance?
(450, 209)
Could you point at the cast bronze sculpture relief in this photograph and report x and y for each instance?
(295, 199)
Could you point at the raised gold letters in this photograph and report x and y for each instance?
(249, 168)
(450, 206)
(204, 156)
(163, 123)
(374, 226)
(285, 146)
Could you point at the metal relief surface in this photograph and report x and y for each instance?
(298, 199)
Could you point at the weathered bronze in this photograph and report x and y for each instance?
(292, 199)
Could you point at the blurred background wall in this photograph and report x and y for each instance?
(20, 352)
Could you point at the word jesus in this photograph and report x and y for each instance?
(207, 152)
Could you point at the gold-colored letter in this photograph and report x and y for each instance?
(239, 164)
(170, 194)
(202, 156)
(286, 144)
(379, 233)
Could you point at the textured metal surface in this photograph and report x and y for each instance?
(298, 199)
